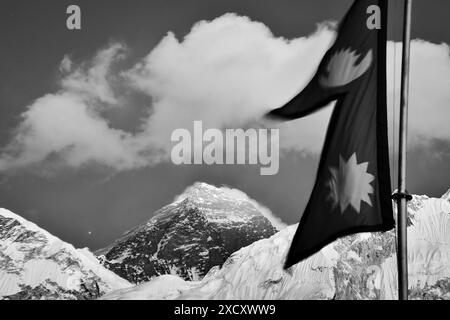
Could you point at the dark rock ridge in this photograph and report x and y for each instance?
(201, 229)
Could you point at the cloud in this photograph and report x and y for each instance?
(266, 212)
(429, 97)
(92, 79)
(67, 126)
(226, 72)
(65, 65)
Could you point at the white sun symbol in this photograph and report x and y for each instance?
(343, 68)
(350, 184)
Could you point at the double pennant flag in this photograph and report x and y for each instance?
(352, 192)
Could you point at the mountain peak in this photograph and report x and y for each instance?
(27, 224)
(200, 190)
(37, 265)
(199, 230)
(226, 204)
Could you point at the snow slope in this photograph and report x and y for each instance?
(361, 266)
(37, 265)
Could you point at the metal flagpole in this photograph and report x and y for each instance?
(402, 197)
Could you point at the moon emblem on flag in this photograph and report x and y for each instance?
(350, 184)
(342, 68)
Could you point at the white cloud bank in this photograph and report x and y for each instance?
(429, 105)
(67, 125)
(227, 72)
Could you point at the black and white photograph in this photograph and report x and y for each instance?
(224, 151)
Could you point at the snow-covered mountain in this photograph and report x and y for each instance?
(188, 237)
(37, 265)
(361, 266)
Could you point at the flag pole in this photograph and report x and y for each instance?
(402, 197)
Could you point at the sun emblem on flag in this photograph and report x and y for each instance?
(343, 69)
(350, 184)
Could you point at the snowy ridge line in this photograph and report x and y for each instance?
(47, 266)
(360, 266)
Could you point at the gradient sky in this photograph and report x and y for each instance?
(91, 206)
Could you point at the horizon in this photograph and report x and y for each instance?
(179, 198)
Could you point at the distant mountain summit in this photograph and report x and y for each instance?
(360, 266)
(37, 265)
(188, 237)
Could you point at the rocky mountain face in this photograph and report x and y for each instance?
(190, 236)
(37, 265)
(361, 266)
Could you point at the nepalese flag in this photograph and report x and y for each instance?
(352, 192)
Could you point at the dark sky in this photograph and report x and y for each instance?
(73, 203)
